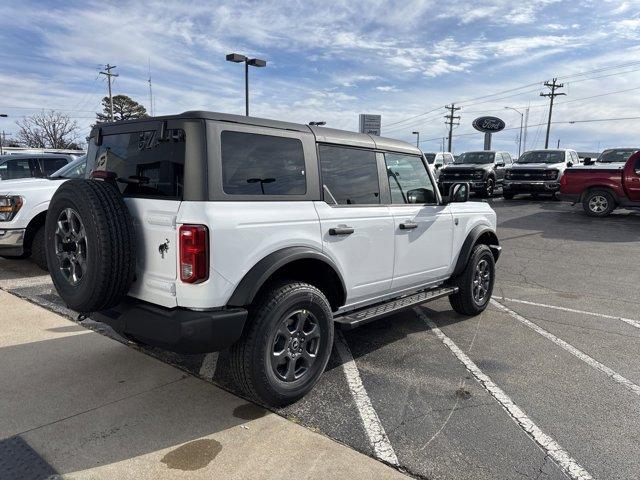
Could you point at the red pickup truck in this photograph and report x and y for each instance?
(602, 188)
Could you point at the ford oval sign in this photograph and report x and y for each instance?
(488, 124)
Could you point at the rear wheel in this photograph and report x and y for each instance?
(598, 203)
(475, 283)
(286, 346)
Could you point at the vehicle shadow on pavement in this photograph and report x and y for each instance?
(82, 403)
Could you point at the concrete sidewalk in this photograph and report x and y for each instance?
(77, 404)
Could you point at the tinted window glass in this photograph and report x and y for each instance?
(255, 164)
(350, 174)
(408, 179)
(17, 168)
(476, 157)
(145, 164)
(431, 157)
(50, 165)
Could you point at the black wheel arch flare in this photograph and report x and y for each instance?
(478, 234)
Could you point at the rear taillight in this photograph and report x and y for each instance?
(194, 253)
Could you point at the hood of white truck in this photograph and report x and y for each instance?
(30, 185)
(543, 166)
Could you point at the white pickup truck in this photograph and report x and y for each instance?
(23, 210)
(204, 231)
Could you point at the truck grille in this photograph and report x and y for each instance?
(462, 174)
(532, 174)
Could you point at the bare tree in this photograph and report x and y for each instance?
(48, 130)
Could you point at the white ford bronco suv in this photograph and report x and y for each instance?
(204, 231)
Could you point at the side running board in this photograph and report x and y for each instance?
(360, 317)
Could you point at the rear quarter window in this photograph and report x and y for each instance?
(256, 164)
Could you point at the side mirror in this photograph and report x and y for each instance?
(569, 164)
(501, 164)
(459, 193)
(420, 196)
(437, 165)
(588, 161)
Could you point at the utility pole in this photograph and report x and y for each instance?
(451, 118)
(443, 138)
(417, 139)
(108, 74)
(526, 126)
(553, 86)
(558, 147)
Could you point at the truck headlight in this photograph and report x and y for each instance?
(552, 174)
(507, 174)
(9, 206)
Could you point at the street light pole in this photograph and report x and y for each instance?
(254, 62)
(521, 122)
(3, 115)
(417, 139)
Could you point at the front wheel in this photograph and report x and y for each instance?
(475, 283)
(286, 345)
(489, 188)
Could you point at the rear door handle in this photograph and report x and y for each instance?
(341, 231)
(408, 226)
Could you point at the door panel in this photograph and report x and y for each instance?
(632, 180)
(423, 254)
(367, 254)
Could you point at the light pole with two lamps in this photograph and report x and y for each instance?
(254, 62)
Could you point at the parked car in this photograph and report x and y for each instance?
(613, 155)
(260, 235)
(18, 166)
(484, 170)
(538, 171)
(438, 160)
(601, 188)
(23, 210)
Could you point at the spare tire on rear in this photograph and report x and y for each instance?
(90, 245)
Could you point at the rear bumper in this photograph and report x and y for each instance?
(176, 329)
(515, 186)
(12, 242)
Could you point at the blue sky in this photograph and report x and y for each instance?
(331, 60)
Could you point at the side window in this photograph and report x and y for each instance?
(254, 164)
(50, 165)
(439, 159)
(409, 181)
(145, 164)
(498, 158)
(507, 158)
(17, 168)
(448, 158)
(574, 158)
(350, 174)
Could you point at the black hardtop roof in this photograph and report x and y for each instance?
(322, 134)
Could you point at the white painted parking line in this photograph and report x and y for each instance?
(633, 323)
(568, 465)
(370, 420)
(571, 349)
(208, 367)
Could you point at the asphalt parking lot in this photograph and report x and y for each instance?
(544, 384)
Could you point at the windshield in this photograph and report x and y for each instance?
(542, 156)
(476, 157)
(74, 169)
(616, 155)
(430, 157)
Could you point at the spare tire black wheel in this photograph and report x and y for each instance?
(90, 245)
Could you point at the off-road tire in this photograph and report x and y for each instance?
(463, 301)
(110, 241)
(608, 207)
(508, 196)
(38, 252)
(489, 188)
(250, 356)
